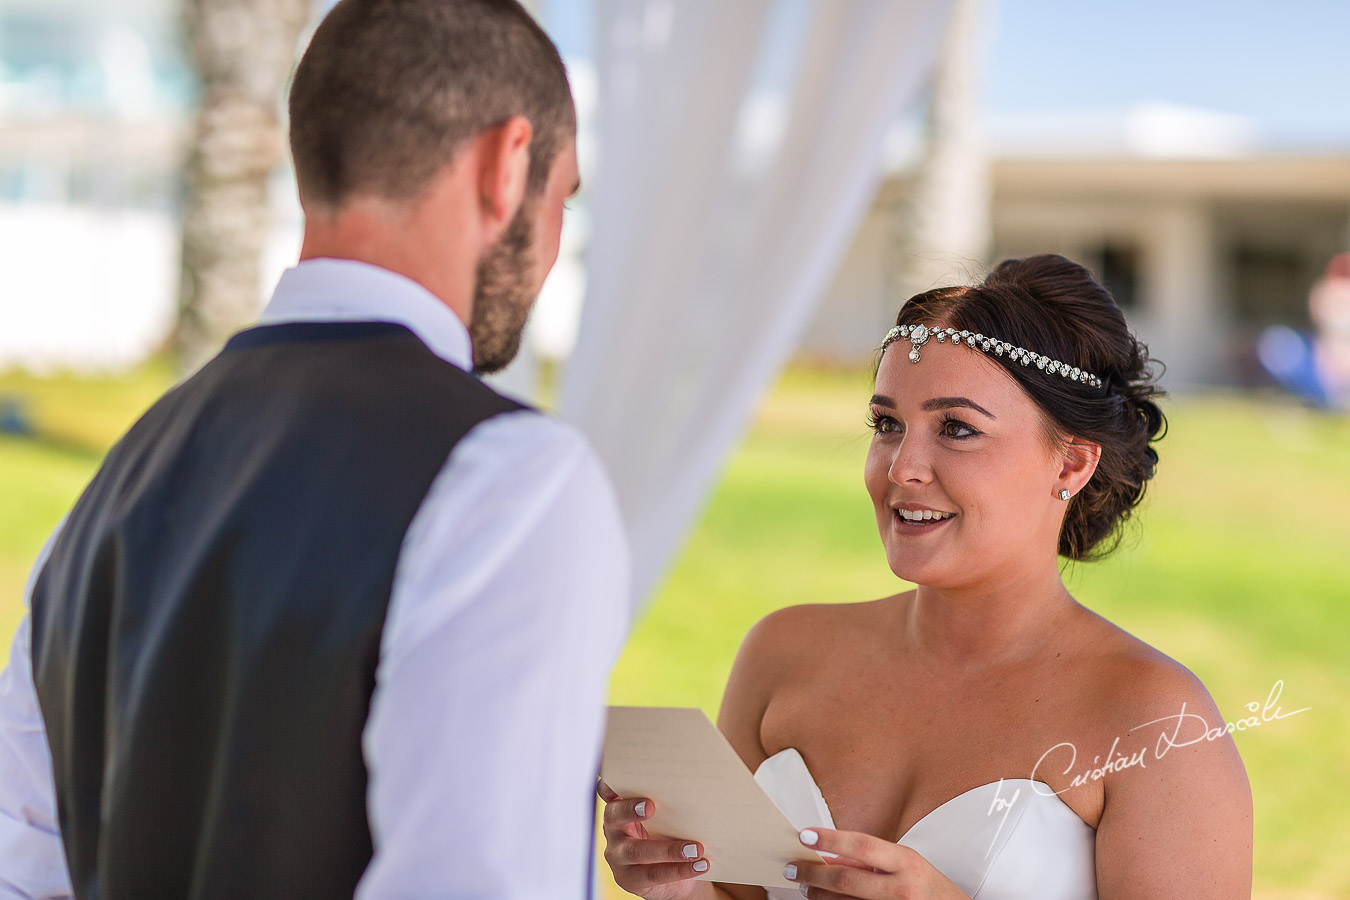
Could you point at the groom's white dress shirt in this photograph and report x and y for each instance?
(510, 602)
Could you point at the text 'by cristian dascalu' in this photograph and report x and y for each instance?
(1180, 730)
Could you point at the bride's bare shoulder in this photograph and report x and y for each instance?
(795, 632)
(1175, 801)
(778, 647)
(1134, 678)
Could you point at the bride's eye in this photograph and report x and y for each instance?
(955, 428)
(882, 424)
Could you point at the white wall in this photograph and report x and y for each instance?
(83, 288)
(88, 289)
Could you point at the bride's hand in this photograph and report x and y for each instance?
(868, 868)
(653, 868)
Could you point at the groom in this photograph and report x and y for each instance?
(335, 618)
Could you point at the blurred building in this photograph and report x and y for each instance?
(94, 101)
(91, 100)
(1203, 237)
(96, 107)
(1204, 233)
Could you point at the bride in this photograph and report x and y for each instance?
(983, 735)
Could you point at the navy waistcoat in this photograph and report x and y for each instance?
(206, 630)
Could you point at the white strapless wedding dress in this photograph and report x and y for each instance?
(1008, 840)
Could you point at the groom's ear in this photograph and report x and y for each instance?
(503, 153)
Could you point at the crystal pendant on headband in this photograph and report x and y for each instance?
(917, 336)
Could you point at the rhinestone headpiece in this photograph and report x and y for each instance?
(918, 335)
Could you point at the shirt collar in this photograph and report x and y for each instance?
(345, 290)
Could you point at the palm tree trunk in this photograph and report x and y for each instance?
(243, 51)
(943, 229)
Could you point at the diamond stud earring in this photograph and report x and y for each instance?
(1064, 494)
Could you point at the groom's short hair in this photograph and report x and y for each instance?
(389, 90)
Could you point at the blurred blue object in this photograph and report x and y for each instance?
(1287, 355)
(14, 417)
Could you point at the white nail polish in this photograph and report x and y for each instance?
(701, 866)
(803, 888)
(809, 837)
(790, 871)
(690, 851)
(641, 809)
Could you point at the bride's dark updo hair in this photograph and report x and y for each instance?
(1055, 307)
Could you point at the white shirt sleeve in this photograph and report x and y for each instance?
(510, 604)
(32, 857)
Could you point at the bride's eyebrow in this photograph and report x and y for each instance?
(935, 404)
(948, 402)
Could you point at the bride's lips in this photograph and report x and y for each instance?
(905, 526)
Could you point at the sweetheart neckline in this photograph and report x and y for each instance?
(926, 816)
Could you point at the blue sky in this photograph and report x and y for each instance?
(1284, 64)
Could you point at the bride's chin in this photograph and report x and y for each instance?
(925, 571)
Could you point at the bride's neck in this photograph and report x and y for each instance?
(982, 625)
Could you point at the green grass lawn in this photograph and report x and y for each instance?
(78, 419)
(1239, 567)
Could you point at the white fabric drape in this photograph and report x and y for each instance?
(740, 144)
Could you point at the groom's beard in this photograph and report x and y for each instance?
(502, 295)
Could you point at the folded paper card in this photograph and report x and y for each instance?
(701, 791)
